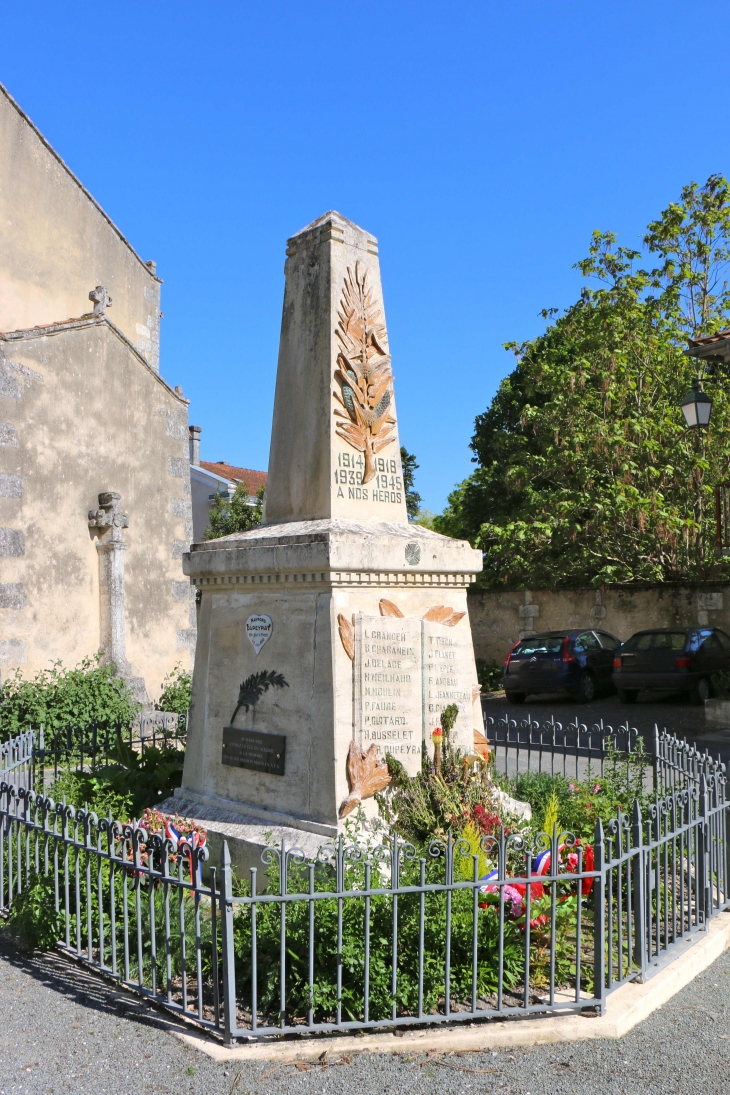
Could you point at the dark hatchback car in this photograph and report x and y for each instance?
(579, 662)
(671, 659)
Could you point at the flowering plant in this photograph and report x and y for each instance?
(515, 893)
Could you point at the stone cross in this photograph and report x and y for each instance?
(110, 521)
(109, 517)
(101, 300)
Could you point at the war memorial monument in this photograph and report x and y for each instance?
(337, 631)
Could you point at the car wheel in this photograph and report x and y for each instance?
(700, 692)
(627, 695)
(586, 690)
(515, 697)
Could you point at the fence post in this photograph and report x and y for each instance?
(599, 919)
(656, 758)
(703, 852)
(229, 973)
(42, 758)
(638, 872)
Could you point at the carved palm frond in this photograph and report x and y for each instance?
(387, 608)
(366, 776)
(363, 370)
(253, 688)
(481, 746)
(347, 635)
(442, 614)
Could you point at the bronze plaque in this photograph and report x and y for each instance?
(254, 749)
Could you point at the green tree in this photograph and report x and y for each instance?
(234, 514)
(586, 473)
(413, 498)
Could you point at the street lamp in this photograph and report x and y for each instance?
(712, 353)
(696, 407)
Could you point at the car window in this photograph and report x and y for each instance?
(724, 641)
(711, 645)
(587, 641)
(609, 642)
(657, 640)
(697, 638)
(541, 644)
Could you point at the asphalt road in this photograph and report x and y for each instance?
(671, 712)
(62, 1030)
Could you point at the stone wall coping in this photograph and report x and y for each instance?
(82, 322)
(634, 587)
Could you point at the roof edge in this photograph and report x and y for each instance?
(77, 325)
(76, 179)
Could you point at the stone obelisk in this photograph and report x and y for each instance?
(338, 630)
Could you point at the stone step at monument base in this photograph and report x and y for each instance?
(247, 836)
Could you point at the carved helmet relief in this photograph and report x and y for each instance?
(363, 372)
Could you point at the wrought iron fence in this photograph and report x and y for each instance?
(95, 746)
(16, 760)
(569, 750)
(379, 936)
(577, 749)
(126, 902)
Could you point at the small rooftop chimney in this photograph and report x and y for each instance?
(194, 433)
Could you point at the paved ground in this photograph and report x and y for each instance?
(62, 1030)
(671, 712)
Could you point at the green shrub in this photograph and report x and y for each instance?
(489, 675)
(57, 698)
(176, 691)
(126, 787)
(578, 805)
(33, 917)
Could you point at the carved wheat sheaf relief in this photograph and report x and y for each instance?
(363, 372)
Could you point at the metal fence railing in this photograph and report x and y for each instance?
(95, 746)
(387, 935)
(569, 750)
(16, 759)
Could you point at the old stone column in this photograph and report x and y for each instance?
(110, 521)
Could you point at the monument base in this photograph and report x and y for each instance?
(247, 836)
(322, 646)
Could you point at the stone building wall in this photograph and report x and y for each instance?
(82, 414)
(500, 617)
(56, 244)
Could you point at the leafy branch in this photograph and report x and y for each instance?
(254, 687)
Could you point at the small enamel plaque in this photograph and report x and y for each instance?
(258, 629)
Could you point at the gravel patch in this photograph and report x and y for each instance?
(64, 1030)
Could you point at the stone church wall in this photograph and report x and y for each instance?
(56, 244)
(82, 414)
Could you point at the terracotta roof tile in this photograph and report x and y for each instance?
(707, 340)
(252, 479)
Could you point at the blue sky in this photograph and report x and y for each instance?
(480, 142)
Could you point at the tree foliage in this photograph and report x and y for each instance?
(413, 498)
(234, 514)
(586, 473)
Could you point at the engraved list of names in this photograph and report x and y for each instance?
(388, 687)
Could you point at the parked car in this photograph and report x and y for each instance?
(671, 659)
(577, 661)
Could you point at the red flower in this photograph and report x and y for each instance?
(588, 862)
